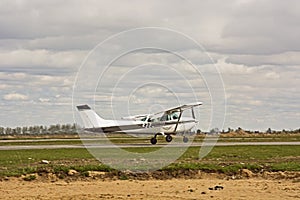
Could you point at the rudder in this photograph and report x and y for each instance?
(89, 117)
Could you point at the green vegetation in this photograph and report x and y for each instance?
(30, 177)
(123, 177)
(228, 160)
(125, 139)
(246, 153)
(65, 142)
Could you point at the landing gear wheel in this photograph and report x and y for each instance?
(153, 140)
(185, 139)
(169, 138)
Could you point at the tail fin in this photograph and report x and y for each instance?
(89, 117)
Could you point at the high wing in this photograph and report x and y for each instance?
(182, 107)
(135, 117)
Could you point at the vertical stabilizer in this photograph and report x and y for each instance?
(89, 117)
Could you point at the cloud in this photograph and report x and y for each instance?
(254, 43)
(4, 86)
(15, 97)
(272, 75)
(263, 27)
(13, 76)
(44, 100)
(289, 58)
(31, 59)
(235, 26)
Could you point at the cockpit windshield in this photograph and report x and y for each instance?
(170, 116)
(163, 118)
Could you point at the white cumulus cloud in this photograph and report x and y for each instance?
(15, 96)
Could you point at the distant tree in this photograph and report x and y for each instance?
(58, 128)
(30, 130)
(2, 132)
(19, 130)
(214, 131)
(8, 131)
(269, 131)
(13, 131)
(42, 129)
(51, 129)
(66, 128)
(239, 129)
(24, 130)
(39, 129)
(36, 130)
(284, 131)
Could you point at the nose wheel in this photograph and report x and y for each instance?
(185, 139)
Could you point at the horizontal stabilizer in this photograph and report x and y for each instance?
(83, 107)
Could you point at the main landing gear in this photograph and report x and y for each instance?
(169, 138)
(153, 140)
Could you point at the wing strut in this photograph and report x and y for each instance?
(193, 113)
(181, 111)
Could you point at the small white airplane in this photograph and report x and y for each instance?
(167, 123)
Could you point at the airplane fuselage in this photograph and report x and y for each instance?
(167, 123)
(130, 126)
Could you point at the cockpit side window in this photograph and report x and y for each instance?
(175, 116)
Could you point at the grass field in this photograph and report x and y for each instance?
(226, 160)
(123, 138)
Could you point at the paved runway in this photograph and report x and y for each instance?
(91, 145)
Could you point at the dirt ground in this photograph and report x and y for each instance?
(204, 188)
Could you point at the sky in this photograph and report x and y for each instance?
(241, 58)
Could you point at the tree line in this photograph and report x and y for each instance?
(40, 130)
(239, 130)
(73, 129)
